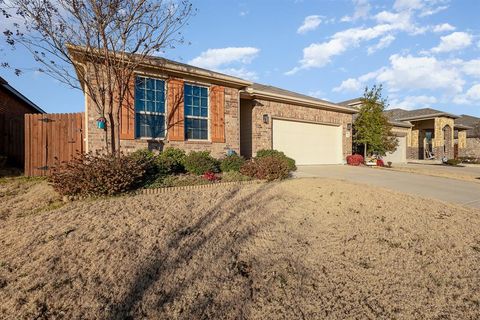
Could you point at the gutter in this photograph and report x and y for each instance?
(430, 116)
(462, 126)
(400, 124)
(258, 94)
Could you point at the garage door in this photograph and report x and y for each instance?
(308, 143)
(399, 155)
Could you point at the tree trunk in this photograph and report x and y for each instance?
(111, 127)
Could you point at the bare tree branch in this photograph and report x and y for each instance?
(115, 38)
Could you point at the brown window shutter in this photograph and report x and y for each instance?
(176, 131)
(127, 113)
(217, 113)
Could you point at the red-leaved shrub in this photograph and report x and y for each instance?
(266, 168)
(355, 160)
(210, 176)
(380, 163)
(99, 174)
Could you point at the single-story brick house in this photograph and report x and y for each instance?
(424, 133)
(13, 107)
(218, 112)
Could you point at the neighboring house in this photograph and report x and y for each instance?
(424, 133)
(13, 107)
(472, 148)
(174, 104)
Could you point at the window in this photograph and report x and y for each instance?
(149, 108)
(196, 112)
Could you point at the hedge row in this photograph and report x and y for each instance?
(106, 174)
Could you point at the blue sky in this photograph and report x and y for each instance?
(426, 53)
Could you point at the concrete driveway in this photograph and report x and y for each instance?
(445, 189)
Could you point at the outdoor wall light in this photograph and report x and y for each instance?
(349, 126)
(265, 118)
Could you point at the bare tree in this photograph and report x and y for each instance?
(112, 38)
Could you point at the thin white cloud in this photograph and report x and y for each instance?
(413, 102)
(453, 42)
(309, 24)
(402, 5)
(471, 67)
(231, 60)
(472, 96)
(355, 85)
(432, 11)
(242, 73)
(382, 44)
(349, 85)
(410, 72)
(444, 27)
(362, 10)
(317, 94)
(215, 58)
(317, 55)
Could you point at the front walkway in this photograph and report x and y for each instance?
(444, 189)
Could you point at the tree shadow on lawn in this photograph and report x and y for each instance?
(198, 274)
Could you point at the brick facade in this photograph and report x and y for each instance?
(96, 138)
(262, 133)
(12, 127)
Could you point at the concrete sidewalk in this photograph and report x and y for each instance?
(445, 189)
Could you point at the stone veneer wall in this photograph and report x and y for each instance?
(96, 137)
(415, 149)
(472, 148)
(443, 146)
(262, 133)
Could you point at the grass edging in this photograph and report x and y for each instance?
(200, 186)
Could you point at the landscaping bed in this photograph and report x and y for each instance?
(106, 174)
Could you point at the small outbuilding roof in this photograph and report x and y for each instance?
(4, 84)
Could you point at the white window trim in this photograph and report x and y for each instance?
(198, 117)
(164, 114)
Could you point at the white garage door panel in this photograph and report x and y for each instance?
(399, 155)
(308, 143)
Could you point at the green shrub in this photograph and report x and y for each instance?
(231, 163)
(266, 168)
(472, 160)
(148, 158)
(233, 176)
(178, 181)
(171, 161)
(99, 174)
(278, 154)
(199, 162)
(452, 162)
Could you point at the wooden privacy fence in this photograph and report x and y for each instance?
(51, 139)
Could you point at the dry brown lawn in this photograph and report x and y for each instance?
(300, 249)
